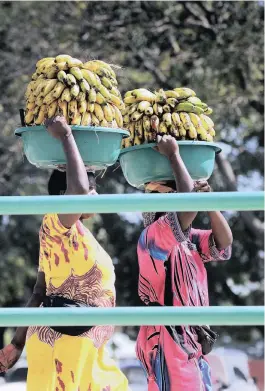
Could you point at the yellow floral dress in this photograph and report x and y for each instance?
(78, 268)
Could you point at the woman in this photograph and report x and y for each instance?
(73, 270)
(171, 258)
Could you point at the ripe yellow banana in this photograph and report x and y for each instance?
(132, 108)
(104, 123)
(149, 111)
(176, 120)
(74, 91)
(184, 92)
(182, 131)
(142, 106)
(136, 116)
(43, 60)
(91, 78)
(35, 76)
(118, 117)
(167, 119)
(128, 93)
(166, 109)
(63, 109)
(104, 91)
(74, 62)
(186, 121)
(195, 119)
(100, 99)
(172, 102)
(82, 106)
(115, 91)
(158, 110)
(146, 123)
(86, 119)
(40, 118)
(49, 98)
(50, 74)
(99, 112)
(66, 95)
(71, 80)
(126, 119)
(72, 109)
(129, 100)
(92, 95)
(29, 116)
(50, 84)
(39, 88)
(30, 106)
(139, 129)
(58, 89)
(160, 96)
(91, 107)
(209, 138)
(52, 109)
(85, 87)
(162, 128)
(116, 101)
(62, 58)
(95, 120)
(43, 67)
(106, 82)
(107, 112)
(208, 111)
(192, 132)
(76, 120)
(206, 122)
(143, 94)
(76, 72)
(197, 102)
(62, 66)
(30, 88)
(172, 94)
(174, 131)
(211, 132)
(81, 96)
(62, 77)
(39, 100)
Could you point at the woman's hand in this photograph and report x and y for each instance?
(58, 127)
(167, 146)
(202, 186)
(9, 355)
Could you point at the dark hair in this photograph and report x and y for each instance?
(57, 183)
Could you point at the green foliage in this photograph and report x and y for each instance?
(214, 47)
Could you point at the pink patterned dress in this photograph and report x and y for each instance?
(172, 273)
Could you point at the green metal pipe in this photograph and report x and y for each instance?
(32, 205)
(126, 316)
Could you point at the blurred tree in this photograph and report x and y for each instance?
(213, 47)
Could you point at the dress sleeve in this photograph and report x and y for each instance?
(204, 240)
(52, 226)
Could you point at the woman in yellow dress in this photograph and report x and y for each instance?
(73, 270)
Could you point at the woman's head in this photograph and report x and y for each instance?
(57, 185)
(157, 188)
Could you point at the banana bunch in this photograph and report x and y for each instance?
(178, 112)
(85, 93)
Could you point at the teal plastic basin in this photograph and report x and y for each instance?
(142, 164)
(99, 147)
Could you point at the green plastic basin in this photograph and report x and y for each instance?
(142, 164)
(99, 147)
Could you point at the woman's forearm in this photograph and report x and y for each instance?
(19, 338)
(222, 233)
(77, 180)
(184, 184)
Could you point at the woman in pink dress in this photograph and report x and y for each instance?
(172, 272)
